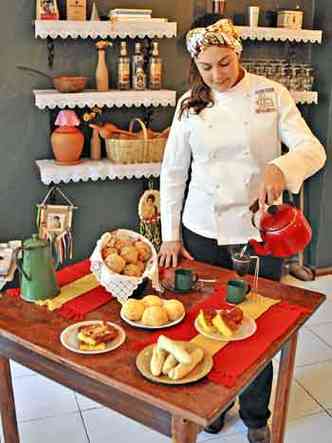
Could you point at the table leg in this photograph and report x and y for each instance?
(285, 377)
(184, 431)
(7, 404)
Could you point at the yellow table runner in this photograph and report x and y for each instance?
(254, 306)
(70, 291)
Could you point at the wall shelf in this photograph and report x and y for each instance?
(305, 97)
(103, 29)
(283, 34)
(50, 98)
(91, 170)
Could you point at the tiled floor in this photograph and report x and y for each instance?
(48, 412)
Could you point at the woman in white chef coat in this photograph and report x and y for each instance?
(228, 128)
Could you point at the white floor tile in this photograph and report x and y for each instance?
(316, 379)
(300, 403)
(321, 284)
(322, 315)
(310, 349)
(18, 370)
(105, 425)
(316, 428)
(324, 331)
(38, 397)
(85, 403)
(67, 428)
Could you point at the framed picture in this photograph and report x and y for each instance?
(149, 206)
(54, 219)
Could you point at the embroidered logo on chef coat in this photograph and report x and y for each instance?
(265, 101)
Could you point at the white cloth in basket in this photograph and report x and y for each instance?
(122, 286)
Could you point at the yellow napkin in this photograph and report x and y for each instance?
(70, 291)
(254, 306)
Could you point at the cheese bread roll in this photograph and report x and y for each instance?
(182, 369)
(173, 348)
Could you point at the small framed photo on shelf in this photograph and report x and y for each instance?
(54, 219)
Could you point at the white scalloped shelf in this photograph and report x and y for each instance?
(92, 170)
(305, 97)
(103, 29)
(283, 34)
(50, 98)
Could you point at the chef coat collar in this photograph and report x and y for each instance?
(240, 88)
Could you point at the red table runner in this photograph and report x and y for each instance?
(235, 358)
(76, 309)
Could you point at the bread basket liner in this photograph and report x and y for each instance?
(122, 286)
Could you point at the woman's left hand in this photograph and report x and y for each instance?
(272, 186)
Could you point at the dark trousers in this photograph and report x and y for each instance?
(254, 400)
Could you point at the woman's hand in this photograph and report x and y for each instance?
(272, 186)
(169, 253)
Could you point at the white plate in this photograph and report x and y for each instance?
(139, 324)
(70, 341)
(247, 329)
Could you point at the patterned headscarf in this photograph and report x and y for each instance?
(220, 33)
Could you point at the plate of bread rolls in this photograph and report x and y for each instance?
(173, 362)
(152, 312)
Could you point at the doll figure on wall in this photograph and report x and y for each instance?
(149, 215)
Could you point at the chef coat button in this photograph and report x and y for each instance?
(218, 186)
(246, 123)
(210, 126)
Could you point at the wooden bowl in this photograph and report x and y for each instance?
(69, 83)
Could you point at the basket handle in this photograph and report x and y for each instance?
(145, 132)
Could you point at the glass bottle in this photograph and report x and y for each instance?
(123, 68)
(155, 68)
(138, 73)
(218, 6)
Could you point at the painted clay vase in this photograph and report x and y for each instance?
(67, 140)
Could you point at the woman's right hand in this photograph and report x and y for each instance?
(170, 252)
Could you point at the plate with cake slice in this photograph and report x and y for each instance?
(92, 337)
(225, 324)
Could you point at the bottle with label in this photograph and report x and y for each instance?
(218, 6)
(138, 73)
(76, 10)
(123, 68)
(155, 68)
(47, 10)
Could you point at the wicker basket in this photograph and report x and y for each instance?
(137, 150)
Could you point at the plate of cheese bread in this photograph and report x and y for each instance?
(225, 324)
(152, 312)
(92, 337)
(174, 362)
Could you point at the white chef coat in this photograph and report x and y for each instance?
(228, 146)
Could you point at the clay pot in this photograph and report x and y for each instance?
(67, 144)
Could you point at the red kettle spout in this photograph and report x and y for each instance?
(260, 248)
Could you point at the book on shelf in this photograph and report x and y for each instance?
(139, 20)
(122, 11)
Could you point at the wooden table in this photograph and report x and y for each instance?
(30, 336)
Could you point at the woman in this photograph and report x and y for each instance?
(228, 128)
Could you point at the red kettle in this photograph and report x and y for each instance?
(284, 230)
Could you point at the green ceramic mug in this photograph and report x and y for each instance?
(184, 279)
(237, 291)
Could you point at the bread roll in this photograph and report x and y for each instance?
(174, 348)
(174, 308)
(115, 263)
(152, 300)
(133, 309)
(183, 369)
(169, 363)
(132, 270)
(130, 254)
(154, 316)
(157, 361)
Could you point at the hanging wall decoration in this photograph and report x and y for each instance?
(149, 216)
(54, 223)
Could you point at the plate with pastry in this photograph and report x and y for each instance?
(173, 362)
(152, 312)
(92, 337)
(225, 324)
